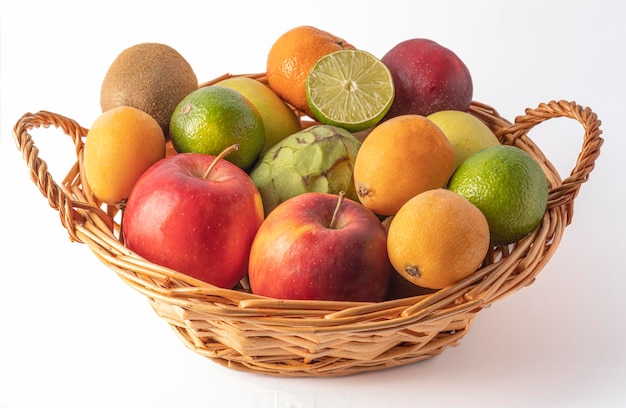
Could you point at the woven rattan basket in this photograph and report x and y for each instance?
(319, 338)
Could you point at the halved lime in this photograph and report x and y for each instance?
(351, 89)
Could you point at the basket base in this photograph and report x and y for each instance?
(337, 367)
(248, 348)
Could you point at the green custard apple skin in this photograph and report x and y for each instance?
(317, 159)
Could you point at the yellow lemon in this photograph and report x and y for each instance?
(466, 133)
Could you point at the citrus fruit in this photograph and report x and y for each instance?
(319, 158)
(437, 238)
(292, 56)
(349, 88)
(212, 118)
(509, 187)
(467, 134)
(121, 145)
(152, 77)
(279, 119)
(400, 158)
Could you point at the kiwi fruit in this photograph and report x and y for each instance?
(152, 77)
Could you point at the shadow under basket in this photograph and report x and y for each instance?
(319, 338)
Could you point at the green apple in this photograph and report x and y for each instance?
(467, 134)
(279, 119)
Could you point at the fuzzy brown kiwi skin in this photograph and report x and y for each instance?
(152, 77)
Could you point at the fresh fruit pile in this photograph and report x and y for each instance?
(337, 176)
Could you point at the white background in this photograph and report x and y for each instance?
(72, 334)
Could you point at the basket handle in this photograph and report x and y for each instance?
(565, 192)
(58, 197)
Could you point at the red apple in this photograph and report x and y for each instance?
(198, 222)
(318, 246)
(427, 78)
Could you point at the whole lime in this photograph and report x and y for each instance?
(508, 186)
(279, 119)
(212, 118)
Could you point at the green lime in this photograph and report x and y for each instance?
(508, 186)
(279, 119)
(351, 89)
(212, 118)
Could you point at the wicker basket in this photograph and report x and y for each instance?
(319, 338)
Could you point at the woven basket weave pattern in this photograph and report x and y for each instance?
(319, 338)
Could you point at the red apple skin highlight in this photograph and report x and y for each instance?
(427, 78)
(296, 256)
(201, 227)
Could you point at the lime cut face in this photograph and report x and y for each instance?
(351, 89)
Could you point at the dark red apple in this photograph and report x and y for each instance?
(427, 78)
(317, 246)
(198, 222)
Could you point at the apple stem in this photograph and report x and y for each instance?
(219, 157)
(342, 195)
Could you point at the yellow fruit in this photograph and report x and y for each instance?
(437, 238)
(152, 77)
(121, 144)
(279, 119)
(509, 187)
(399, 159)
(212, 118)
(466, 133)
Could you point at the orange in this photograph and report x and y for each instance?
(121, 144)
(291, 58)
(399, 159)
(437, 238)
